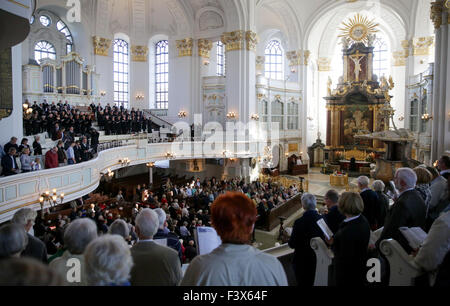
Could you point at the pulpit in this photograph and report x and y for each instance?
(296, 166)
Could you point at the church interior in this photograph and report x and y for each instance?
(117, 112)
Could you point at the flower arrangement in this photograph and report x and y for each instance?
(370, 158)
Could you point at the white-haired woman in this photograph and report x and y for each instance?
(378, 186)
(120, 227)
(108, 261)
(77, 236)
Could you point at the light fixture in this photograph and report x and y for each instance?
(286, 154)
(124, 161)
(182, 114)
(170, 155)
(140, 96)
(51, 198)
(206, 62)
(255, 117)
(233, 159)
(108, 175)
(401, 118)
(150, 165)
(25, 106)
(427, 117)
(232, 115)
(103, 93)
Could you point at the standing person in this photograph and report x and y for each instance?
(333, 218)
(78, 152)
(305, 228)
(37, 148)
(350, 243)
(62, 157)
(154, 264)
(439, 196)
(424, 178)
(235, 262)
(378, 186)
(443, 165)
(9, 164)
(25, 160)
(12, 144)
(51, 158)
(408, 209)
(24, 144)
(372, 205)
(70, 152)
(85, 153)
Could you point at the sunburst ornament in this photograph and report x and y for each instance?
(358, 28)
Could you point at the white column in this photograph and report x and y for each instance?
(399, 101)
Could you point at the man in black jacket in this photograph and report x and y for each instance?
(333, 218)
(444, 166)
(35, 247)
(372, 204)
(170, 239)
(304, 230)
(9, 163)
(408, 210)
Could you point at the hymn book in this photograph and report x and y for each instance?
(415, 236)
(206, 239)
(325, 229)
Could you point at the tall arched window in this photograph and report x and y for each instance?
(274, 60)
(380, 58)
(121, 61)
(62, 27)
(162, 75)
(220, 59)
(44, 49)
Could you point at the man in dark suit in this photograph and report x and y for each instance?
(163, 233)
(35, 247)
(304, 230)
(444, 166)
(11, 144)
(9, 164)
(333, 218)
(372, 204)
(154, 264)
(408, 210)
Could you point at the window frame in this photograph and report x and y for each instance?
(274, 60)
(121, 72)
(162, 74)
(46, 51)
(221, 59)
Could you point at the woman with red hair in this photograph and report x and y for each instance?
(235, 262)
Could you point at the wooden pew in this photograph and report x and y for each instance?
(403, 269)
(286, 209)
(324, 256)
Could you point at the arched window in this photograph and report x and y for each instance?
(220, 59)
(162, 75)
(45, 20)
(121, 61)
(274, 60)
(380, 58)
(292, 116)
(62, 27)
(278, 113)
(44, 49)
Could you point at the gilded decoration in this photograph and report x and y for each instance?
(324, 64)
(436, 14)
(422, 45)
(260, 61)
(260, 96)
(252, 40)
(359, 28)
(184, 47)
(306, 54)
(294, 57)
(399, 58)
(204, 48)
(101, 45)
(139, 53)
(233, 40)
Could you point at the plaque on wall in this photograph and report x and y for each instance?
(293, 147)
(6, 99)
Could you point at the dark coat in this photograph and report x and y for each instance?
(8, 166)
(36, 249)
(372, 208)
(334, 218)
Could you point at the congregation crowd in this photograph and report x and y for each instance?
(156, 237)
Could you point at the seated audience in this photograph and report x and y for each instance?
(13, 240)
(350, 243)
(235, 262)
(333, 217)
(108, 261)
(154, 264)
(77, 236)
(305, 228)
(35, 247)
(408, 210)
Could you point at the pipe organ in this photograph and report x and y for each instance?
(69, 80)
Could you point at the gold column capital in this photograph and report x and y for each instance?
(399, 58)
(204, 48)
(139, 53)
(422, 45)
(294, 57)
(436, 13)
(252, 40)
(306, 54)
(233, 40)
(101, 45)
(184, 47)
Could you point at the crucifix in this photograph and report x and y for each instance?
(356, 58)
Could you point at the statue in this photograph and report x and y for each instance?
(371, 39)
(329, 83)
(391, 83)
(357, 60)
(345, 41)
(383, 83)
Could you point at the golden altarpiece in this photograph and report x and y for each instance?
(354, 107)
